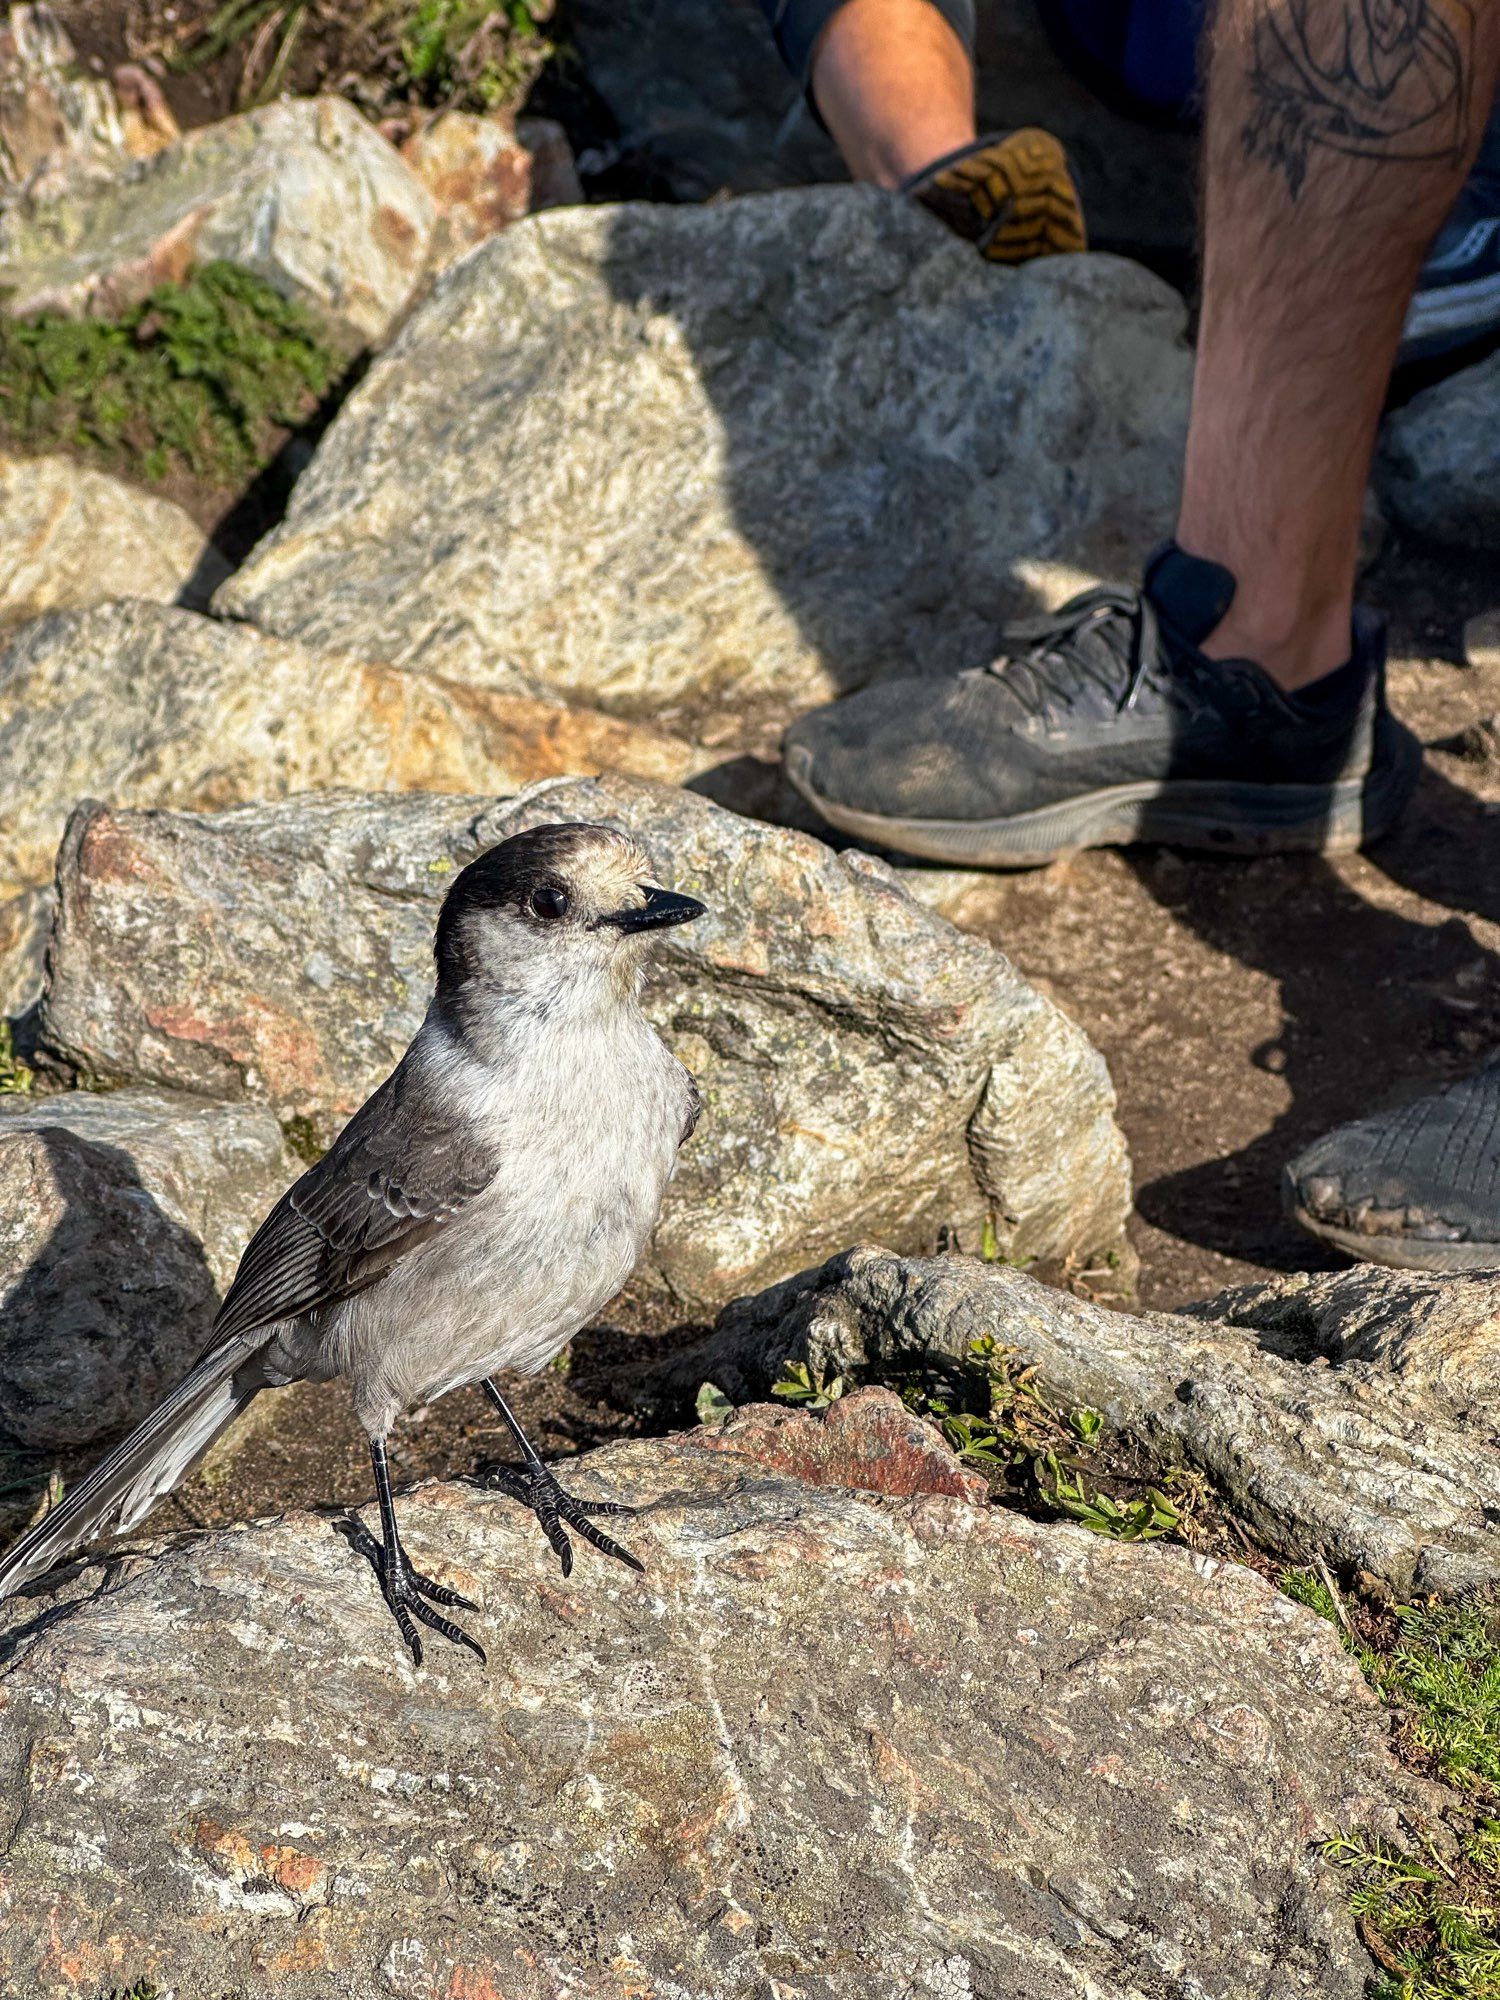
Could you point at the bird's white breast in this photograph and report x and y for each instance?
(585, 1118)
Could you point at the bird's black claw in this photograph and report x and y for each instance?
(553, 1508)
(406, 1592)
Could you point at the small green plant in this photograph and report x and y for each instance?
(1144, 1520)
(199, 375)
(1435, 1930)
(990, 1411)
(15, 1078)
(1443, 1672)
(1085, 1424)
(1433, 1927)
(479, 52)
(302, 1136)
(804, 1386)
(712, 1405)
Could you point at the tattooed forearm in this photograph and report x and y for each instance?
(1387, 79)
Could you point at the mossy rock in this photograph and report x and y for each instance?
(204, 377)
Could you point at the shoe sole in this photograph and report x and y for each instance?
(1221, 817)
(1024, 184)
(1400, 1253)
(1451, 316)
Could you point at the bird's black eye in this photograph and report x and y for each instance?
(549, 902)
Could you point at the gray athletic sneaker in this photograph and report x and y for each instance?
(1418, 1188)
(1109, 727)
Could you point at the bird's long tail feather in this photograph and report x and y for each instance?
(150, 1462)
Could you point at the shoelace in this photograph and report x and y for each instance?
(1107, 640)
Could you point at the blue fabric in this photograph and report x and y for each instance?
(797, 24)
(1140, 55)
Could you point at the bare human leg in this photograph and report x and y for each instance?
(1339, 133)
(895, 86)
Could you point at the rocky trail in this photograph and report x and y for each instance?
(1063, 1578)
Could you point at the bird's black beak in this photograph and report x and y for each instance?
(661, 908)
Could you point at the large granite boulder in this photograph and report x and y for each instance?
(1438, 468)
(302, 192)
(140, 705)
(867, 1068)
(721, 463)
(71, 537)
(122, 1218)
(1344, 1416)
(834, 1745)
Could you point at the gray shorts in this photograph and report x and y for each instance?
(797, 24)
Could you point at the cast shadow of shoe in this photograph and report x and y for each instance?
(1377, 1007)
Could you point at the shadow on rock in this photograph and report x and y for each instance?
(106, 1299)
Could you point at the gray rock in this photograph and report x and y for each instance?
(1437, 1337)
(71, 537)
(833, 1745)
(486, 173)
(60, 124)
(25, 926)
(145, 706)
(122, 1218)
(867, 1068)
(1438, 469)
(734, 459)
(703, 103)
(302, 192)
(1361, 1444)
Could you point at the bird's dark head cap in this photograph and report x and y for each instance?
(569, 880)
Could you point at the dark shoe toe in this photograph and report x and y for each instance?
(903, 750)
(1417, 1186)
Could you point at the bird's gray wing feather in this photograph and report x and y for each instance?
(398, 1172)
(694, 1110)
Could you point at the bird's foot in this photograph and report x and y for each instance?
(412, 1596)
(540, 1491)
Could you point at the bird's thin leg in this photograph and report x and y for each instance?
(537, 1488)
(404, 1589)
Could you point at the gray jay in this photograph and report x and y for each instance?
(490, 1197)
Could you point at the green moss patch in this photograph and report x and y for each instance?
(204, 377)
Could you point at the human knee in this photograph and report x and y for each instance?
(797, 26)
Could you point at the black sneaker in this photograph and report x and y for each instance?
(1417, 1188)
(1112, 727)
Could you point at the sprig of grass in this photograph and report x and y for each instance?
(1434, 1931)
(1444, 1675)
(1433, 1928)
(16, 1078)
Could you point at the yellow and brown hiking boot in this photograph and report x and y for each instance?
(1011, 195)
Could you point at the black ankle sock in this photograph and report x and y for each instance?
(1334, 692)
